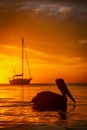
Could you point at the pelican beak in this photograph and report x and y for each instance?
(63, 88)
(69, 95)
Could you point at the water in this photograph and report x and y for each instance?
(16, 112)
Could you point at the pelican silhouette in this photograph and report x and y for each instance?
(50, 101)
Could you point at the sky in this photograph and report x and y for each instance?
(55, 37)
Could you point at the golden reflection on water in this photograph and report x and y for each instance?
(16, 109)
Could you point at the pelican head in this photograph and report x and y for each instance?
(63, 88)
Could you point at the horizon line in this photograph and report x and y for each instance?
(46, 83)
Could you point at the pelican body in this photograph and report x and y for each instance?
(50, 101)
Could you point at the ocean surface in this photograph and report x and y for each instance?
(16, 113)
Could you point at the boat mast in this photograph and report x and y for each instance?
(22, 56)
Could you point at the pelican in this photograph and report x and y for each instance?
(50, 101)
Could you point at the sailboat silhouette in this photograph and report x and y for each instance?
(18, 79)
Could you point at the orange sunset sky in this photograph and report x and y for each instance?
(55, 36)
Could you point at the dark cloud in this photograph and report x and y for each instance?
(63, 22)
(34, 4)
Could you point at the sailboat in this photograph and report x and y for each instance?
(18, 79)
